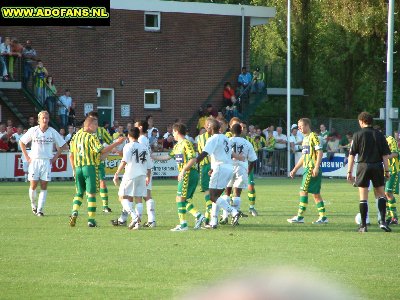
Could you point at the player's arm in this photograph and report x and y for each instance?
(186, 168)
(238, 156)
(108, 148)
(297, 167)
(320, 153)
(120, 168)
(201, 156)
(71, 161)
(24, 152)
(386, 165)
(350, 168)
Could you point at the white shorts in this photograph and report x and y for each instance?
(221, 176)
(39, 169)
(135, 187)
(239, 178)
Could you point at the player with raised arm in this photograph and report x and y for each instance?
(312, 174)
(220, 151)
(137, 164)
(241, 169)
(40, 158)
(85, 152)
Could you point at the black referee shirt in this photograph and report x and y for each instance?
(370, 145)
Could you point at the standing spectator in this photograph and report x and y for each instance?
(332, 146)
(4, 143)
(31, 122)
(323, 136)
(15, 53)
(12, 144)
(150, 121)
(114, 128)
(202, 119)
(153, 137)
(40, 74)
(64, 106)
(211, 112)
(258, 81)
(229, 95)
(72, 114)
(119, 132)
(373, 152)
(29, 56)
(244, 80)
(295, 144)
(280, 139)
(71, 131)
(51, 94)
(62, 133)
(5, 50)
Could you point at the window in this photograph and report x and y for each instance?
(152, 21)
(152, 99)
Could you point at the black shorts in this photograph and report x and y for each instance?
(367, 172)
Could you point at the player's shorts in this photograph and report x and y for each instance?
(204, 177)
(240, 178)
(87, 179)
(309, 183)
(187, 186)
(251, 177)
(102, 171)
(221, 176)
(392, 185)
(370, 171)
(135, 187)
(39, 169)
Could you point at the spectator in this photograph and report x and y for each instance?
(258, 81)
(31, 122)
(280, 139)
(158, 146)
(40, 74)
(252, 131)
(114, 128)
(12, 144)
(295, 144)
(244, 80)
(210, 111)
(29, 55)
(51, 94)
(270, 145)
(169, 131)
(10, 124)
(62, 133)
(118, 133)
(5, 50)
(153, 137)
(229, 95)
(323, 136)
(72, 114)
(3, 130)
(18, 135)
(4, 143)
(106, 126)
(15, 53)
(71, 131)
(332, 146)
(270, 128)
(128, 127)
(189, 138)
(168, 143)
(65, 102)
(9, 131)
(150, 121)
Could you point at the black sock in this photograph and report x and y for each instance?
(382, 209)
(363, 212)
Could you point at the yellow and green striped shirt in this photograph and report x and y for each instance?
(311, 145)
(103, 135)
(86, 148)
(183, 152)
(393, 162)
(201, 143)
(252, 142)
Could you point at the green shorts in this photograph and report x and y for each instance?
(204, 177)
(311, 184)
(250, 179)
(87, 179)
(392, 185)
(187, 186)
(102, 171)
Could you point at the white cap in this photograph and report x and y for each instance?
(293, 126)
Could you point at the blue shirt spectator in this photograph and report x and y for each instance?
(244, 78)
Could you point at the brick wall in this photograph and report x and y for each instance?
(186, 60)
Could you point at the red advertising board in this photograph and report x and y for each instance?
(60, 165)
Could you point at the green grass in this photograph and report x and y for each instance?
(45, 258)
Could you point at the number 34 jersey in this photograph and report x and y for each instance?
(219, 148)
(137, 158)
(243, 147)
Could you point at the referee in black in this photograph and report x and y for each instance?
(373, 152)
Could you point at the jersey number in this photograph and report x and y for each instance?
(226, 147)
(81, 152)
(140, 156)
(237, 149)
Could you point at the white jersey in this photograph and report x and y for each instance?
(42, 142)
(137, 158)
(245, 148)
(219, 149)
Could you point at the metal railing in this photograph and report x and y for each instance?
(272, 163)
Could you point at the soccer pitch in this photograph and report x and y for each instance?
(45, 258)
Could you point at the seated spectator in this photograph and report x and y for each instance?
(9, 131)
(332, 146)
(128, 127)
(15, 53)
(280, 139)
(31, 122)
(18, 134)
(5, 50)
(10, 124)
(189, 138)
(114, 127)
(158, 146)
(210, 111)
(3, 129)
(150, 121)
(71, 131)
(51, 94)
(4, 143)
(72, 114)
(29, 56)
(169, 132)
(229, 95)
(40, 74)
(345, 144)
(258, 81)
(153, 137)
(119, 132)
(168, 143)
(12, 144)
(244, 81)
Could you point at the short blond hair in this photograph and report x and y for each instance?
(43, 112)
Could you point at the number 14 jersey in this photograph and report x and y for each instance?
(137, 158)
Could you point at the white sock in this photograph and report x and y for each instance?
(236, 201)
(151, 213)
(32, 197)
(139, 209)
(42, 200)
(214, 214)
(225, 206)
(125, 205)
